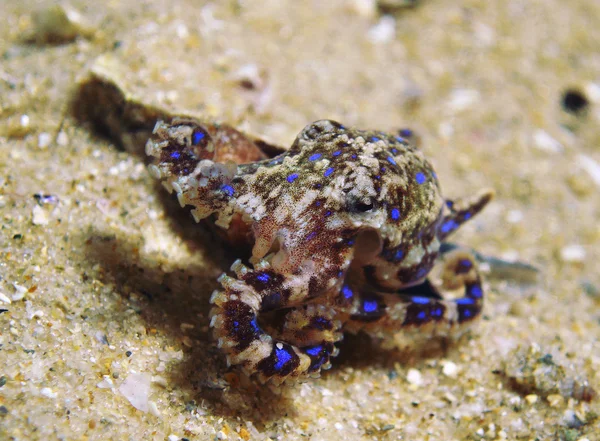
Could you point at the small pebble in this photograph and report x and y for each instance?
(531, 398)
(574, 101)
(414, 377)
(44, 140)
(590, 166)
(40, 216)
(4, 298)
(62, 139)
(20, 292)
(221, 435)
(462, 99)
(48, 393)
(450, 369)
(592, 90)
(573, 254)
(543, 141)
(383, 31)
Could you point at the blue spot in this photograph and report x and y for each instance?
(395, 151)
(328, 172)
(399, 255)
(449, 204)
(291, 178)
(374, 139)
(347, 292)
(437, 312)
(314, 157)
(328, 213)
(318, 203)
(254, 325)
(378, 177)
(434, 174)
(400, 139)
(263, 277)
(448, 226)
(421, 178)
(236, 325)
(421, 273)
(464, 301)
(175, 155)
(311, 235)
(395, 214)
(337, 153)
(314, 351)
(475, 291)
(282, 357)
(370, 305)
(467, 215)
(228, 189)
(353, 156)
(422, 315)
(197, 137)
(391, 160)
(466, 263)
(350, 242)
(420, 300)
(406, 133)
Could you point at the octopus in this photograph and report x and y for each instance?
(345, 228)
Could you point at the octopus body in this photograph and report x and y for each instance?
(345, 227)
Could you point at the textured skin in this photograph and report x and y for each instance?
(346, 225)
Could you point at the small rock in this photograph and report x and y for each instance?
(44, 140)
(136, 388)
(574, 101)
(590, 166)
(48, 393)
(573, 254)
(531, 398)
(543, 141)
(57, 25)
(462, 99)
(413, 376)
(40, 216)
(383, 31)
(450, 369)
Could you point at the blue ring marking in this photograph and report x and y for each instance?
(197, 137)
(328, 213)
(448, 226)
(354, 156)
(391, 160)
(449, 204)
(405, 132)
(236, 325)
(314, 156)
(263, 277)
(395, 151)
(395, 214)
(436, 312)
(315, 351)
(228, 189)
(422, 315)
(291, 178)
(254, 325)
(475, 291)
(282, 357)
(347, 292)
(467, 215)
(466, 313)
(420, 300)
(370, 305)
(464, 301)
(328, 172)
(175, 155)
(466, 263)
(421, 178)
(399, 255)
(336, 153)
(374, 139)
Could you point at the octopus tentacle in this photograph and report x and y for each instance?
(382, 313)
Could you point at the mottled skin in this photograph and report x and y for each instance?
(345, 225)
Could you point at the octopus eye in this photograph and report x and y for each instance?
(361, 206)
